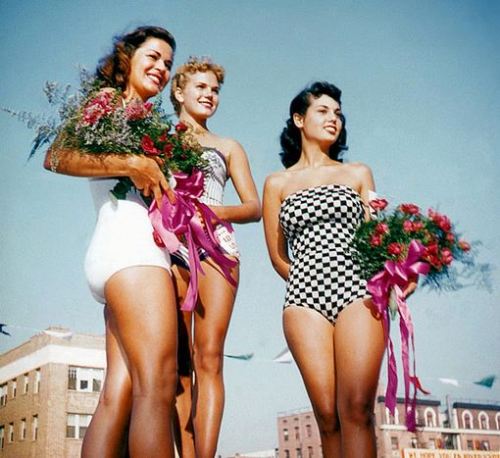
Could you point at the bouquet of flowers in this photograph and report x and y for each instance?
(392, 250)
(97, 121)
(388, 237)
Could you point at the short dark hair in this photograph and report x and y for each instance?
(290, 139)
(113, 69)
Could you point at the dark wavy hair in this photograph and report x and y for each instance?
(290, 139)
(113, 69)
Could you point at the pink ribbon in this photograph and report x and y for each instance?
(182, 218)
(396, 276)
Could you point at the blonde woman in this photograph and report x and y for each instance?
(195, 96)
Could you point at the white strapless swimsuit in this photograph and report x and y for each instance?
(122, 237)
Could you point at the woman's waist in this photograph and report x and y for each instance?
(324, 251)
(101, 188)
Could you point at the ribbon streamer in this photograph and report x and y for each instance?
(187, 217)
(396, 277)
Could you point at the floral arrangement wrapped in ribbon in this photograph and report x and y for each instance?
(393, 249)
(96, 120)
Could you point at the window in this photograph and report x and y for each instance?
(287, 453)
(388, 419)
(285, 434)
(26, 383)
(414, 442)
(394, 443)
(484, 421)
(485, 445)
(497, 420)
(11, 432)
(22, 431)
(467, 420)
(308, 430)
(3, 394)
(470, 445)
(431, 444)
(299, 452)
(14, 388)
(297, 433)
(392, 420)
(85, 379)
(2, 437)
(76, 425)
(38, 377)
(34, 427)
(430, 418)
(310, 453)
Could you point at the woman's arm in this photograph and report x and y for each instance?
(239, 170)
(144, 172)
(368, 184)
(365, 177)
(275, 240)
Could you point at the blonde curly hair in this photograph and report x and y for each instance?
(193, 65)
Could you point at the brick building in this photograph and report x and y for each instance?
(49, 388)
(457, 429)
(298, 435)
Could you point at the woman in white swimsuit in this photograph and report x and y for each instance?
(127, 271)
(195, 96)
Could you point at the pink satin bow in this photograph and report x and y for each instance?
(397, 276)
(180, 218)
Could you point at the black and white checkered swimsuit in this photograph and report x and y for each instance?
(319, 224)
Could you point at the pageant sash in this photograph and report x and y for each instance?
(187, 217)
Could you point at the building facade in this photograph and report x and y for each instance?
(298, 435)
(49, 388)
(457, 429)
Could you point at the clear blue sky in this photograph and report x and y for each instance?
(421, 93)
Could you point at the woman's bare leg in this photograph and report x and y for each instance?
(359, 348)
(184, 438)
(211, 321)
(107, 432)
(310, 338)
(142, 301)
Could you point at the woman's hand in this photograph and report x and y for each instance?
(219, 212)
(145, 172)
(148, 178)
(412, 286)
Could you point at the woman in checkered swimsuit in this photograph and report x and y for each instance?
(313, 207)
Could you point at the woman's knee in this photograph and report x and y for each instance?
(208, 359)
(116, 395)
(356, 409)
(327, 418)
(156, 375)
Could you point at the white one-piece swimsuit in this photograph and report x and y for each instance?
(123, 237)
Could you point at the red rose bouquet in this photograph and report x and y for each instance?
(388, 237)
(392, 250)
